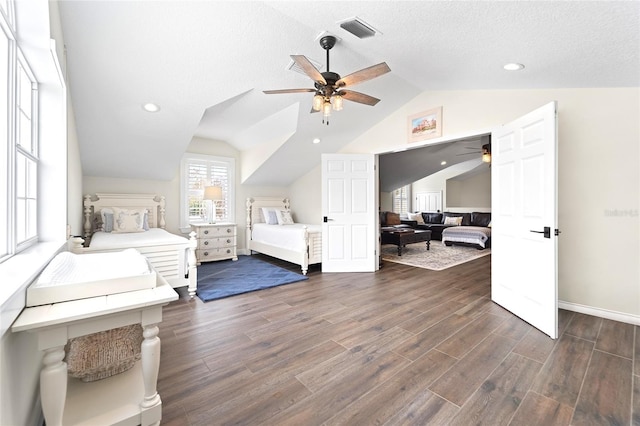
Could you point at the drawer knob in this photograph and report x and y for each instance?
(228, 230)
(228, 251)
(206, 243)
(206, 231)
(228, 241)
(206, 253)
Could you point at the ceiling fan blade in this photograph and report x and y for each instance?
(352, 96)
(364, 75)
(308, 68)
(272, 92)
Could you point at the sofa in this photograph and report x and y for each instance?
(438, 222)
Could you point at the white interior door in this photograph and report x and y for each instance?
(524, 218)
(349, 211)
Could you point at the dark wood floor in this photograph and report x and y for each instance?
(400, 346)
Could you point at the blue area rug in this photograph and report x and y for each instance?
(228, 278)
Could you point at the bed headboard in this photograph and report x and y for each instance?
(154, 204)
(254, 204)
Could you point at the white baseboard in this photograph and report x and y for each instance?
(599, 312)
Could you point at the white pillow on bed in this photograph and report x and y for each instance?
(284, 217)
(125, 221)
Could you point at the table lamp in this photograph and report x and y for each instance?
(212, 194)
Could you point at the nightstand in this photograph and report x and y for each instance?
(216, 241)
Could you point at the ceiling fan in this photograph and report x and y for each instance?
(486, 152)
(329, 86)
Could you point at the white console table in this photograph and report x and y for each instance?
(128, 398)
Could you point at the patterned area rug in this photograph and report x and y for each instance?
(439, 257)
(228, 278)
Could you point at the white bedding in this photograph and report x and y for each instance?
(152, 237)
(69, 268)
(289, 237)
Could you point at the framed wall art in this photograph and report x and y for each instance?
(425, 125)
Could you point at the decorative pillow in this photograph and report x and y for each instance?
(453, 220)
(128, 220)
(268, 215)
(106, 214)
(393, 218)
(284, 217)
(416, 216)
(107, 223)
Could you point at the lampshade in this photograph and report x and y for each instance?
(213, 193)
(337, 102)
(326, 109)
(317, 102)
(486, 153)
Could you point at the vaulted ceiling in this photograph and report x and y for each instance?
(206, 63)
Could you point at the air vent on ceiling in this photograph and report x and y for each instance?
(358, 27)
(294, 67)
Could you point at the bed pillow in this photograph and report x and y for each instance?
(284, 217)
(453, 220)
(125, 221)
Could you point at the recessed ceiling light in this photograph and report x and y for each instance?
(443, 163)
(513, 66)
(316, 140)
(150, 107)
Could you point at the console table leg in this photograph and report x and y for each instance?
(150, 358)
(53, 385)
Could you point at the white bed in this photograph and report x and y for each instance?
(172, 256)
(296, 243)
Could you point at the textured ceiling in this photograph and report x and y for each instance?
(206, 64)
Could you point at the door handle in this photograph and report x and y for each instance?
(326, 219)
(546, 232)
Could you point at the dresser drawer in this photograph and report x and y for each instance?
(216, 253)
(211, 243)
(215, 231)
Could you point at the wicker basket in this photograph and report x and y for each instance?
(104, 354)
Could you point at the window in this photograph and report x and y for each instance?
(197, 172)
(26, 176)
(401, 200)
(19, 145)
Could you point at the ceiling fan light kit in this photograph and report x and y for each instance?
(329, 86)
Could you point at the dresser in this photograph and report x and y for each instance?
(216, 241)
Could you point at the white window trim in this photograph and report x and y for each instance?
(184, 190)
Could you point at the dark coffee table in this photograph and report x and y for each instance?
(401, 238)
